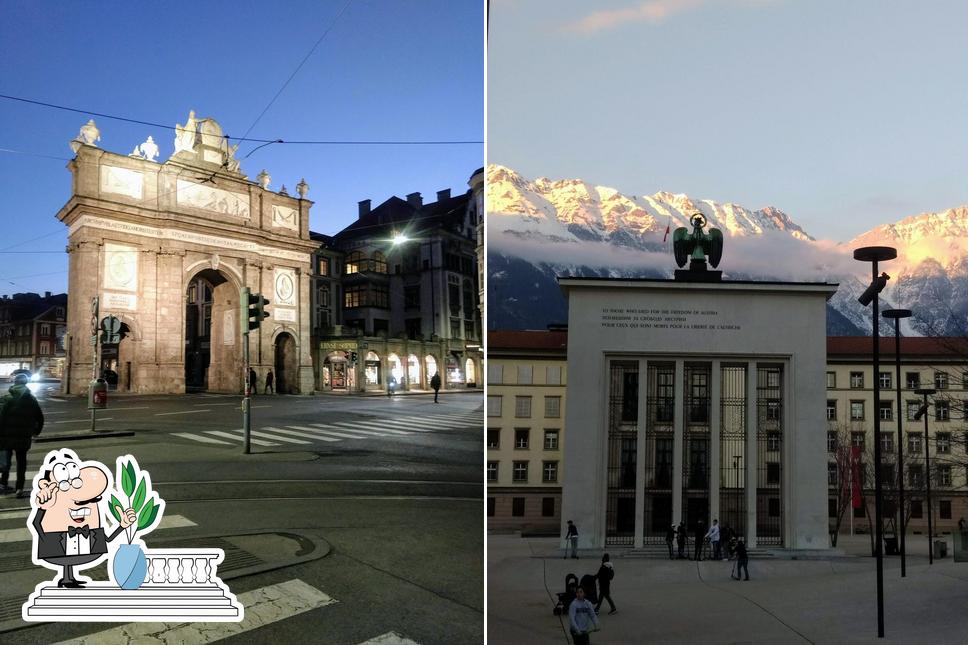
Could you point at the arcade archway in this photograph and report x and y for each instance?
(286, 364)
(213, 355)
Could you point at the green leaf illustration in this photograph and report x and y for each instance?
(127, 479)
(139, 497)
(147, 514)
(114, 508)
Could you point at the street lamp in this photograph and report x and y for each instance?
(875, 254)
(896, 315)
(922, 412)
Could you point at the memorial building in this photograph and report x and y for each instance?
(695, 399)
(166, 247)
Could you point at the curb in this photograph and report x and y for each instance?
(84, 436)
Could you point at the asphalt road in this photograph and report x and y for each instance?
(374, 503)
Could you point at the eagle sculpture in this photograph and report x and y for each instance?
(697, 245)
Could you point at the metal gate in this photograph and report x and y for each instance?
(623, 410)
(658, 451)
(732, 449)
(695, 454)
(769, 455)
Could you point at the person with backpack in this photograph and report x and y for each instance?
(21, 419)
(581, 618)
(605, 574)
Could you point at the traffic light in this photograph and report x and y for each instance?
(253, 310)
(352, 357)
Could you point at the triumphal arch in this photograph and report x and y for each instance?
(166, 247)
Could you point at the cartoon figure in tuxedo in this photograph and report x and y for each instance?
(66, 523)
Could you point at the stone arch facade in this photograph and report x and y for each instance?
(139, 232)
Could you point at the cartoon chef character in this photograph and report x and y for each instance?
(67, 520)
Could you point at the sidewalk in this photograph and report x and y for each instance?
(786, 601)
(411, 392)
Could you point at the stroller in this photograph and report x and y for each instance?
(565, 598)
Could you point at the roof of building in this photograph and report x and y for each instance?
(401, 214)
(28, 306)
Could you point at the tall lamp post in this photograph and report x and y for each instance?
(896, 315)
(875, 254)
(923, 412)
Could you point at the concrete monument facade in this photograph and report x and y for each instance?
(166, 248)
(694, 401)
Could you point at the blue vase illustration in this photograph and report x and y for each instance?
(130, 566)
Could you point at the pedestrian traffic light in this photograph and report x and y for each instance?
(253, 310)
(352, 357)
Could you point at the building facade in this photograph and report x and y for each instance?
(167, 248)
(32, 334)
(527, 375)
(405, 278)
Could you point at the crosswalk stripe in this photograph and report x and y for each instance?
(23, 535)
(263, 606)
(409, 426)
(375, 433)
(372, 426)
(324, 429)
(294, 433)
(199, 437)
(266, 435)
(390, 638)
(444, 422)
(240, 438)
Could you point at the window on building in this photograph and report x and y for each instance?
(915, 476)
(522, 437)
(856, 410)
(912, 409)
(886, 410)
(525, 373)
(831, 473)
(773, 507)
(45, 329)
(772, 472)
(455, 327)
(884, 379)
(494, 405)
(856, 380)
(414, 328)
(914, 442)
(772, 410)
(517, 506)
(912, 380)
(549, 472)
(494, 438)
(354, 296)
(941, 380)
(917, 510)
(379, 263)
(495, 373)
(491, 506)
(944, 475)
(547, 507)
(857, 439)
(942, 442)
(773, 378)
(522, 407)
(322, 266)
(831, 380)
(831, 410)
(887, 475)
(411, 296)
(553, 375)
(551, 440)
(772, 441)
(942, 412)
(354, 262)
(887, 442)
(831, 442)
(519, 472)
(552, 405)
(44, 348)
(944, 509)
(492, 471)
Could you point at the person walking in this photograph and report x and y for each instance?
(571, 539)
(269, 379)
(713, 536)
(21, 419)
(700, 539)
(670, 538)
(742, 559)
(253, 382)
(681, 539)
(391, 384)
(435, 383)
(605, 575)
(581, 618)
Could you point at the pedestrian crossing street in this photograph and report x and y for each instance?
(305, 434)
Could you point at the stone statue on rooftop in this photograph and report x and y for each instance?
(185, 135)
(147, 150)
(89, 135)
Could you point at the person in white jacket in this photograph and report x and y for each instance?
(713, 536)
(581, 618)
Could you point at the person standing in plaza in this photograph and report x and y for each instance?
(253, 381)
(435, 383)
(571, 539)
(700, 536)
(742, 559)
(681, 539)
(605, 574)
(670, 538)
(713, 535)
(581, 618)
(269, 379)
(20, 421)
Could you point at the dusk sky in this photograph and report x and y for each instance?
(845, 115)
(387, 70)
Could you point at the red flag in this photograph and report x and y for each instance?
(666, 236)
(855, 475)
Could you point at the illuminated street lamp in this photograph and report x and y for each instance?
(896, 315)
(875, 254)
(922, 412)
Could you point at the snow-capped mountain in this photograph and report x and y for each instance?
(539, 229)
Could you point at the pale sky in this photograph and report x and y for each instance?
(843, 114)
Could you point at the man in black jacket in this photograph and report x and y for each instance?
(20, 421)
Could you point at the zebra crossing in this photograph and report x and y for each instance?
(306, 434)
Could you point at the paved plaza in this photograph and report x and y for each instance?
(830, 600)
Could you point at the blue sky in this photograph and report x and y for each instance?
(845, 115)
(388, 69)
